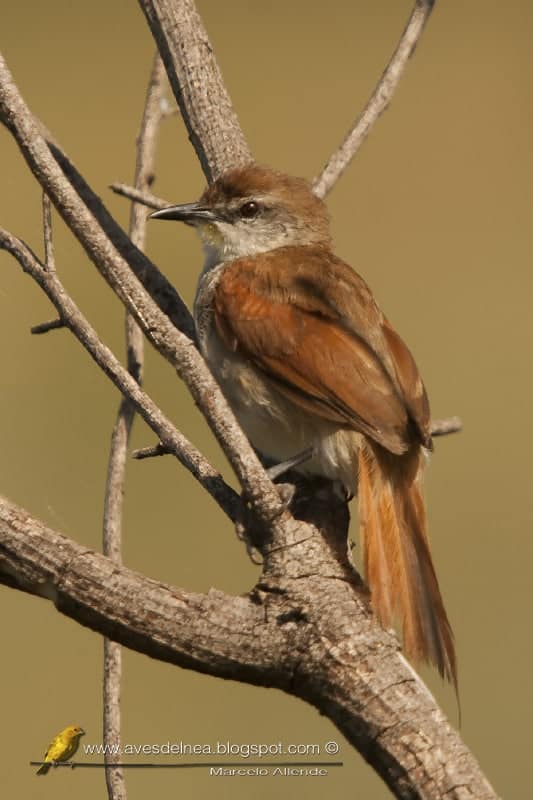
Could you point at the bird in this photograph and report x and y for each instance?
(310, 365)
(62, 747)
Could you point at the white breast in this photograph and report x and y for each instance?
(274, 425)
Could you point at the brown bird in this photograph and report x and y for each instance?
(307, 359)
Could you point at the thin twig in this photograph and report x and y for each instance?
(114, 265)
(116, 474)
(443, 427)
(174, 440)
(106, 233)
(378, 102)
(144, 197)
(150, 452)
(44, 327)
(49, 258)
(114, 774)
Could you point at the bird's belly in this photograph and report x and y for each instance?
(277, 427)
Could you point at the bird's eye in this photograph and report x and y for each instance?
(249, 210)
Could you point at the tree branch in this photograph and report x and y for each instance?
(145, 198)
(174, 441)
(378, 102)
(171, 343)
(49, 257)
(116, 474)
(197, 84)
(305, 628)
(443, 427)
(45, 327)
(154, 451)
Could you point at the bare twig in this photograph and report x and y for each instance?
(145, 198)
(151, 452)
(443, 427)
(378, 102)
(171, 343)
(44, 327)
(176, 443)
(49, 258)
(102, 224)
(197, 84)
(102, 233)
(114, 774)
(113, 506)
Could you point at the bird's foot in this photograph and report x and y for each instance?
(246, 526)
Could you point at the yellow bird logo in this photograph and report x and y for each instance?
(62, 747)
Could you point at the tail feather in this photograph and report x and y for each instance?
(397, 559)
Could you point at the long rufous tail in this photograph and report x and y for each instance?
(397, 559)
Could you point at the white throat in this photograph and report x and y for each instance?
(224, 241)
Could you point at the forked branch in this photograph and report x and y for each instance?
(174, 441)
(115, 266)
(305, 629)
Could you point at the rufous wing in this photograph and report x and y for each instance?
(284, 311)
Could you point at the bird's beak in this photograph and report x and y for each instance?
(190, 213)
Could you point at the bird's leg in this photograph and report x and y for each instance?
(246, 525)
(284, 466)
(287, 490)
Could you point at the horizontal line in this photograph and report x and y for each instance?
(187, 765)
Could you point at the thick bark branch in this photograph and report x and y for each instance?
(166, 623)
(306, 628)
(197, 84)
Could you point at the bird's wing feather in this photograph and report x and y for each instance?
(331, 352)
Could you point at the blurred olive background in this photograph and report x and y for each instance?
(435, 213)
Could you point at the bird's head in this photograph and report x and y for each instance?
(74, 731)
(254, 209)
